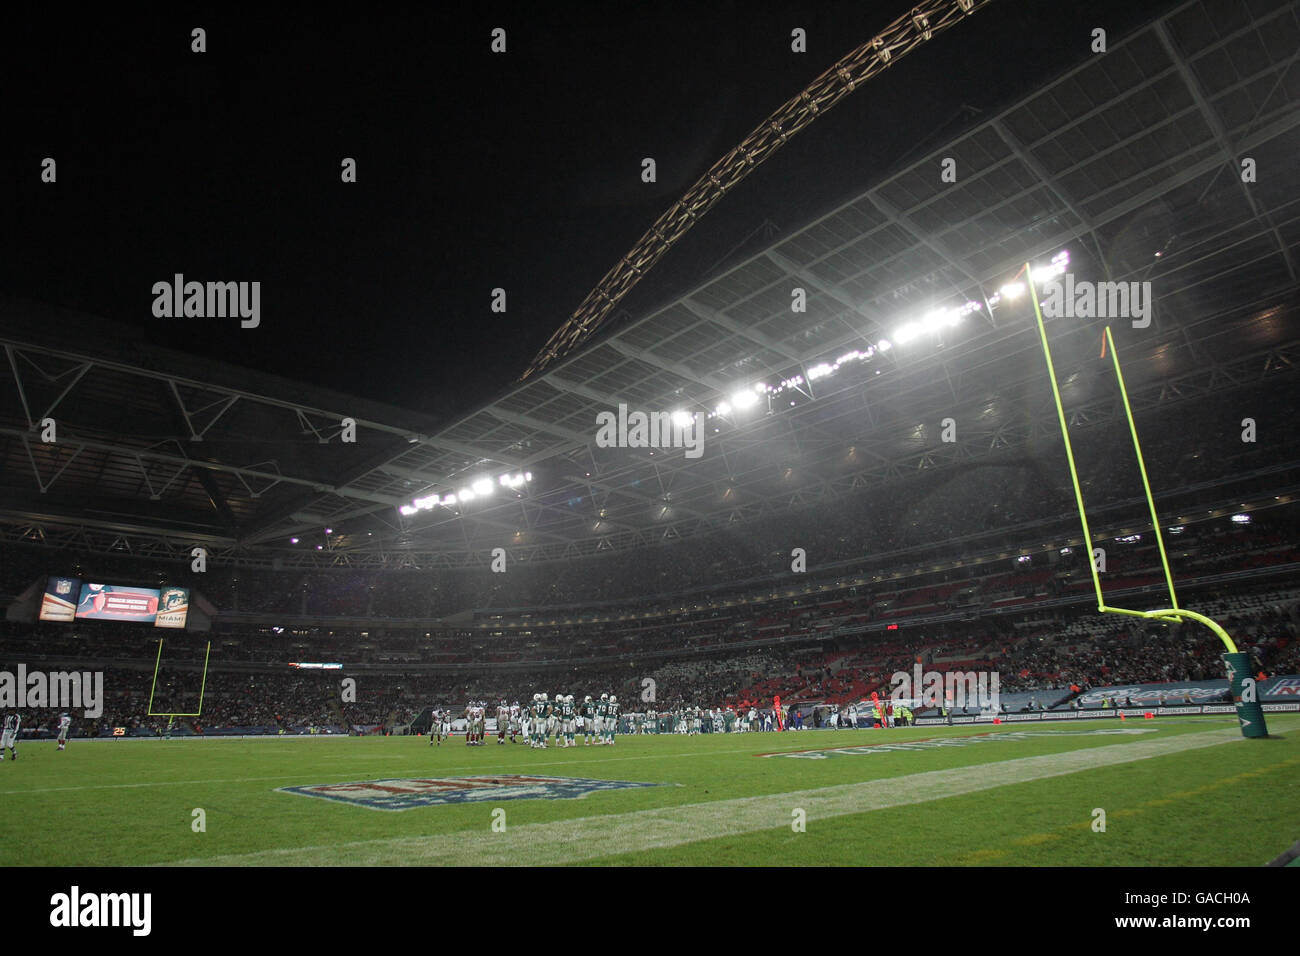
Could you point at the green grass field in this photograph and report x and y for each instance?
(1175, 792)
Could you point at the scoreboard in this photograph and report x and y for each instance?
(162, 607)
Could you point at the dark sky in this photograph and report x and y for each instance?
(475, 170)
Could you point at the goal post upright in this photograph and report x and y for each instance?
(202, 686)
(1244, 692)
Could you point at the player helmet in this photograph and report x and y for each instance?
(587, 699)
(613, 699)
(604, 696)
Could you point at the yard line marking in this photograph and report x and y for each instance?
(586, 838)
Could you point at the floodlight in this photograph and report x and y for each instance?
(744, 398)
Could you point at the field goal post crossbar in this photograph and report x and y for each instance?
(202, 686)
(1244, 695)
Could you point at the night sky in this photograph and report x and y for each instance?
(475, 170)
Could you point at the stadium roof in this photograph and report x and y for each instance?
(1131, 161)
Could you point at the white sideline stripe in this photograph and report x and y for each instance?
(586, 838)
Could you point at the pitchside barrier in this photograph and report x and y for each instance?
(1129, 713)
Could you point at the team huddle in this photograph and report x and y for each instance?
(560, 720)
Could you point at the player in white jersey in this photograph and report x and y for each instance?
(513, 719)
(64, 723)
(9, 736)
(564, 707)
(480, 722)
(611, 719)
(601, 707)
(503, 721)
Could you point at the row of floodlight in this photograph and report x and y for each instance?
(479, 488)
(749, 396)
(745, 398)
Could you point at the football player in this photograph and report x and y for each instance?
(601, 706)
(553, 719)
(611, 719)
(9, 736)
(64, 723)
(539, 721)
(567, 714)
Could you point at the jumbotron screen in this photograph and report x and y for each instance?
(59, 601)
(162, 607)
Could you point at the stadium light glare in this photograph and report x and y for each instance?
(482, 487)
(884, 345)
(1056, 267)
(683, 419)
(724, 408)
(466, 494)
(406, 510)
(743, 399)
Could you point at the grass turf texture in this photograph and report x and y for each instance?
(1185, 792)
